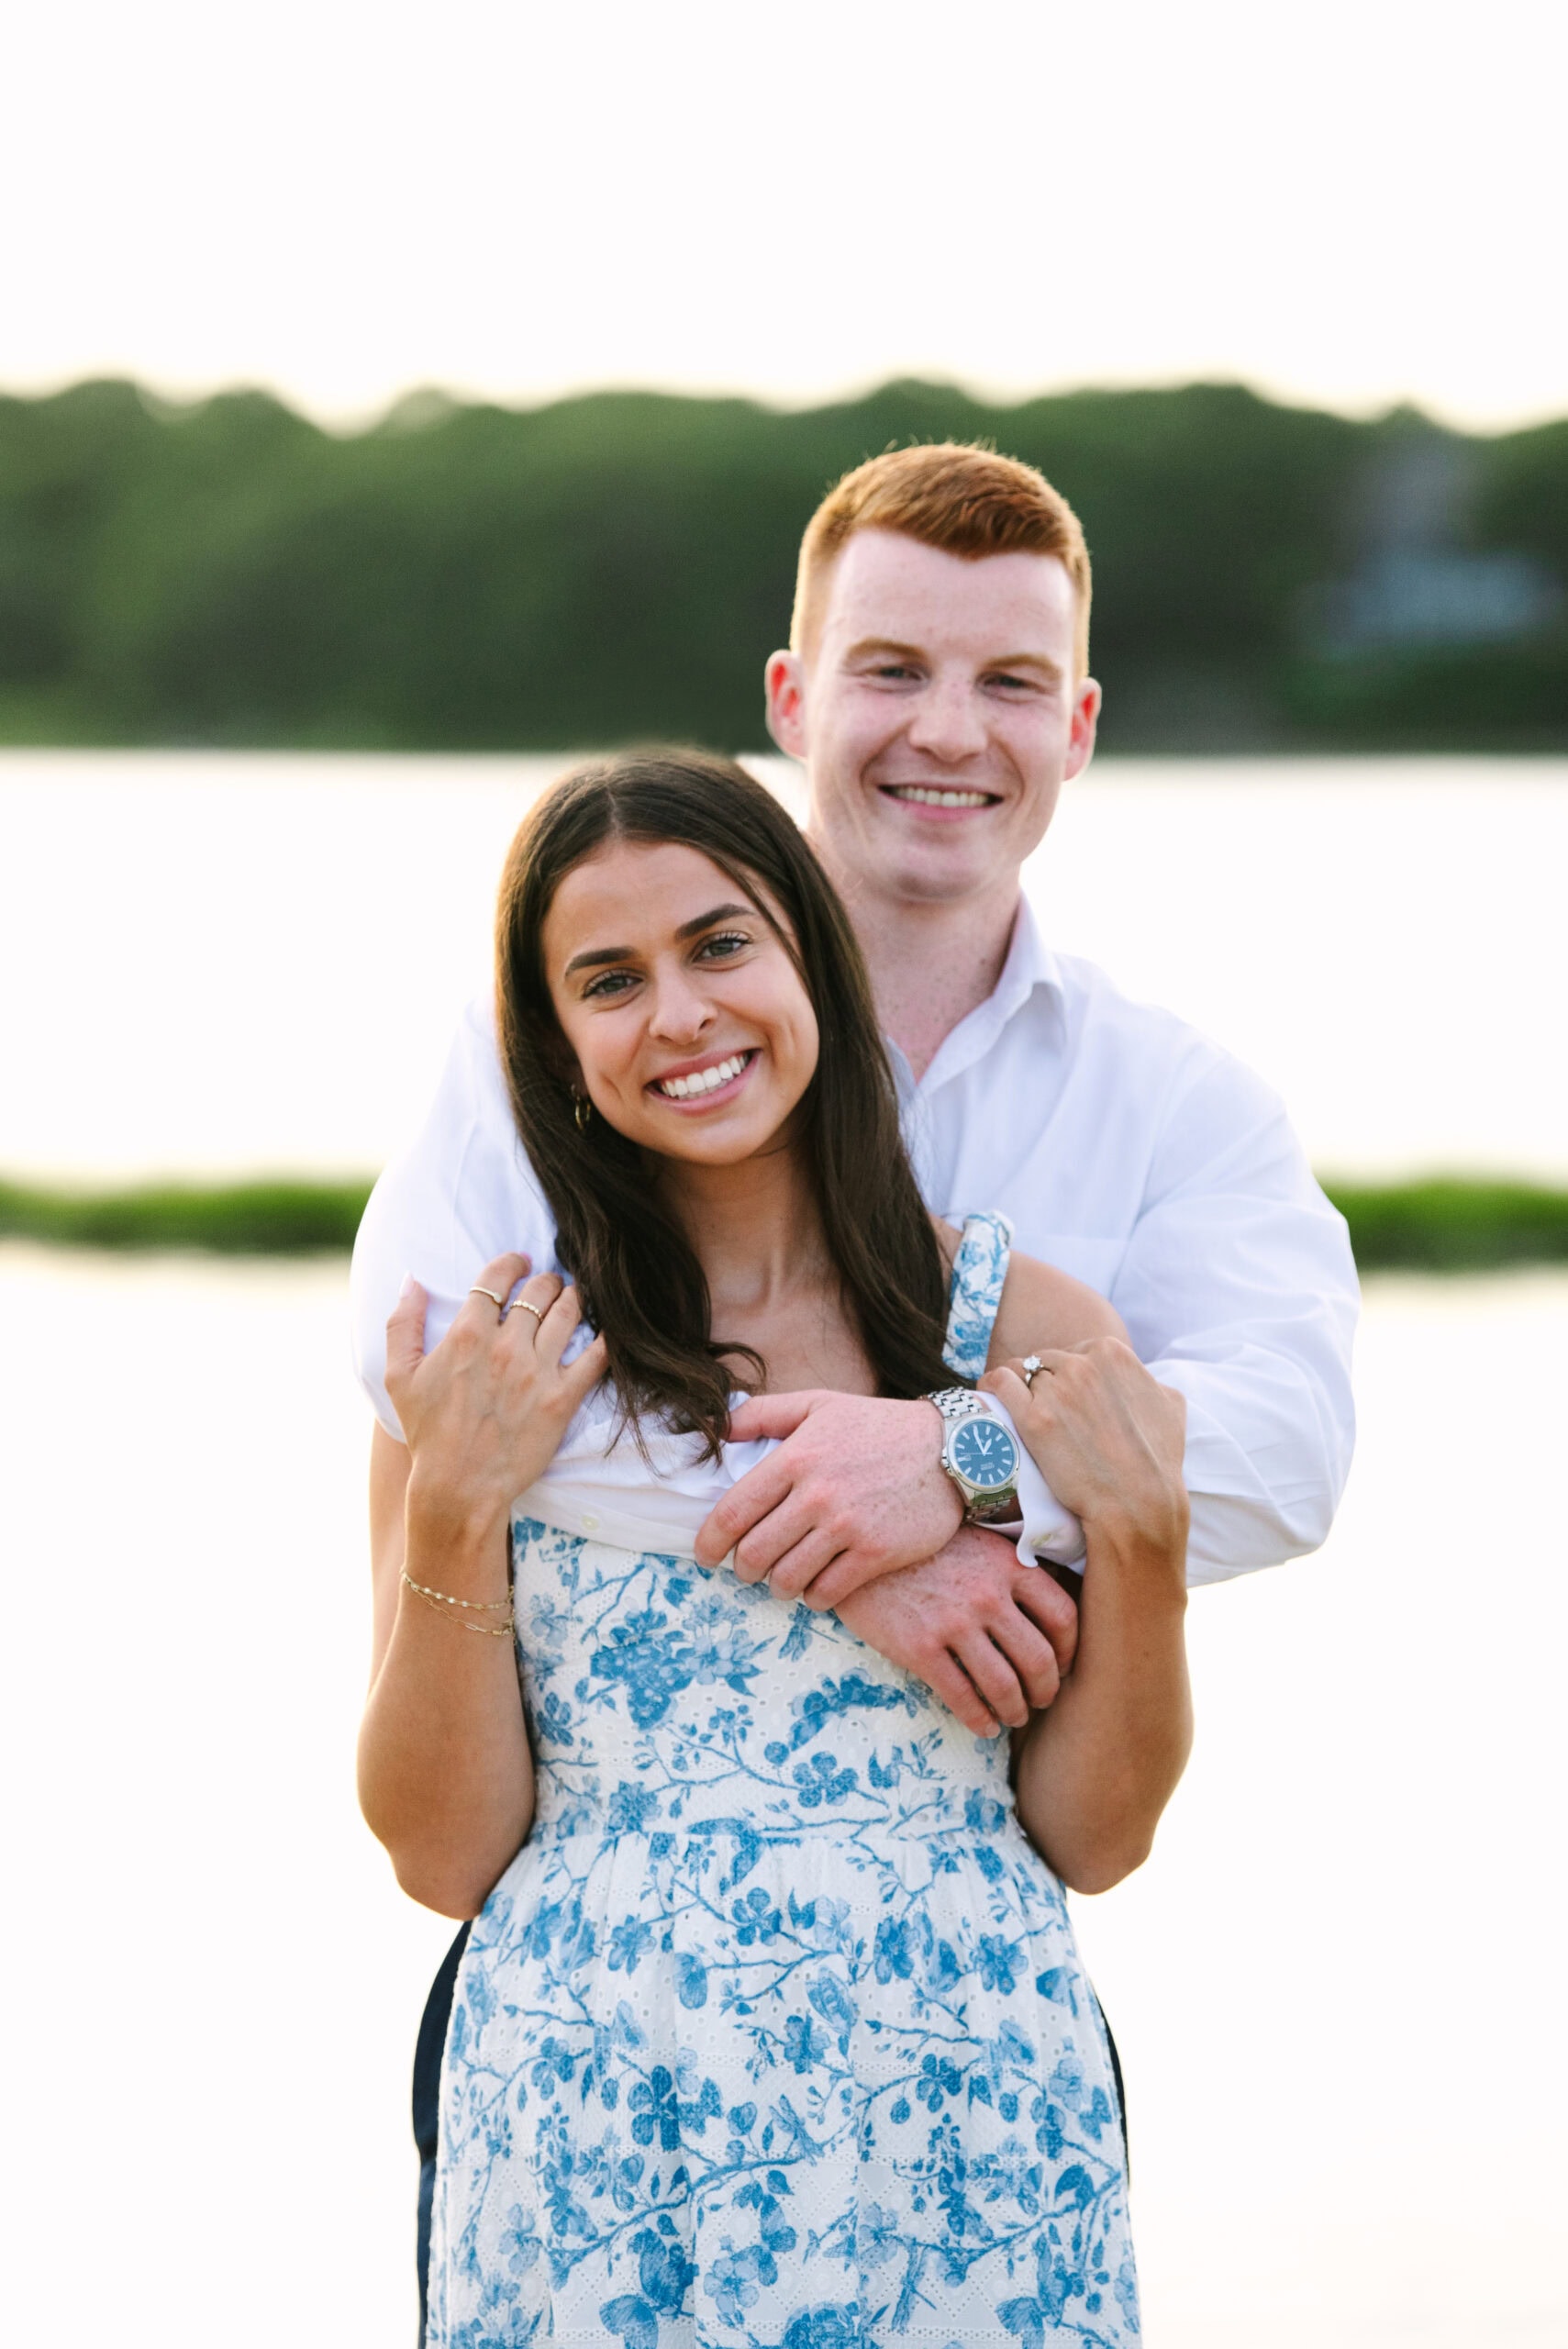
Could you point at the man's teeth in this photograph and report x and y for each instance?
(706, 1080)
(924, 796)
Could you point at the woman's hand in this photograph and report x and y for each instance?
(1107, 1438)
(446, 1776)
(484, 1415)
(1094, 1772)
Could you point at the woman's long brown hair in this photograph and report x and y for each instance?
(641, 1284)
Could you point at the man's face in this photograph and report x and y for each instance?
(936, 715)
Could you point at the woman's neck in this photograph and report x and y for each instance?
(755, 1229)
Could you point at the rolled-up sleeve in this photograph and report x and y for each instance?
(1238, 1288)
(461, 1194)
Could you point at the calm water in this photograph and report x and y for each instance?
(233, 962)
(1336, 1984)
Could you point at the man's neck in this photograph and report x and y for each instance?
(930, 965)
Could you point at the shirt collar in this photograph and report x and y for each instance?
(1029, 965)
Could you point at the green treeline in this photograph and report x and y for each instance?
(1439, 1226)
(618, 566)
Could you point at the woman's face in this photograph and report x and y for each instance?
(691, 1032)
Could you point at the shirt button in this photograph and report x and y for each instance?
(590, 1521)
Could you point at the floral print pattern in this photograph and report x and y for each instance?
(979, 1269)
(774, 2034)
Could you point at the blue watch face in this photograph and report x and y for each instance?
(983, 1450)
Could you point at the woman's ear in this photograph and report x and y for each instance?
(562, 1062)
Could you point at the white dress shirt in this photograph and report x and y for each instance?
(1126, 1149)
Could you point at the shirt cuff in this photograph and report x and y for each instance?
(1046, 1530)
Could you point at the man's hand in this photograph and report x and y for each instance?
(855, 1490)
(990, 1637)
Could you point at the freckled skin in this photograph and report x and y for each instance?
(929, 670)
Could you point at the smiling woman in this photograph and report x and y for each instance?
(710, 1800)
(659, 918)
(731, 995)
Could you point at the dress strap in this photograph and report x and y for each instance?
(979, 1270)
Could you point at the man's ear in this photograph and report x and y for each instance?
(784, 685)
(1085, 720)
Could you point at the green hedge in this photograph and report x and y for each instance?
(1446, 1225)
(1443, 1225)
(262, 1218)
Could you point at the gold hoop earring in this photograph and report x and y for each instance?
(581, 1110)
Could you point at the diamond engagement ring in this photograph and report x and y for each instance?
(1032, 1366)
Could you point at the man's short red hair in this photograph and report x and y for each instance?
(968, 502)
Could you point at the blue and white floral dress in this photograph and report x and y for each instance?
(774, 2034)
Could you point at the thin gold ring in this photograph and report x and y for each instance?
(534, 1310)
(498, 1302)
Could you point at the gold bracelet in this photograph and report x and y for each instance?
(486, 1606)
(439, 1601)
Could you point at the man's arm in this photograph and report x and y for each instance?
(856, 1489)
(1239, 1290)
(459, 1194)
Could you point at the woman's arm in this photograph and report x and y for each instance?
(1042, 1306)
(1095, 1771)
(445, 1775)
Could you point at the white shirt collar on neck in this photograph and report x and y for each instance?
(1029, 965)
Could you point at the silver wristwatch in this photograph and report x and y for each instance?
(979, 1454)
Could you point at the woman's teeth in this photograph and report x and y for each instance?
(706, 1080)
(924, 796)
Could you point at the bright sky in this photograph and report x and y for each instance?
(1349, 203)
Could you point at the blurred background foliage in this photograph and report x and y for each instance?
(618, 566)
(1444, 1224)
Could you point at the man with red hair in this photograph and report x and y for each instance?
(936, 691)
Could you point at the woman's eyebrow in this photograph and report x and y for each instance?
(719, 913)
(598, 954)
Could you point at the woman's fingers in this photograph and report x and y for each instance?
(1005, 1383)
(579, 1378)
(1102, 1428)
(498, 1279)
(1013, 1386)
(546, 1313)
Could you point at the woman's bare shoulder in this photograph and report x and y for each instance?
(1044, 1307)
(949, 1240)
